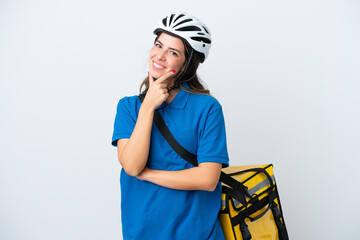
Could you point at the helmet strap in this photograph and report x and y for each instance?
(180, 80)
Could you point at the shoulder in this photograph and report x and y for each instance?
(204, 101)
(129, 100)
(129, 103)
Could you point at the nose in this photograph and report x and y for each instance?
(161, 55)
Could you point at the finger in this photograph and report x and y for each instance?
(163, 85)
(165, 76)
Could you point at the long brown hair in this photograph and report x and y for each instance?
(195, 83)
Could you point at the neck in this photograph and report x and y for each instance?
(172, 95)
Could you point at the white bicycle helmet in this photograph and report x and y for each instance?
(189, 28)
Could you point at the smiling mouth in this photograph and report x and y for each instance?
(157, 66)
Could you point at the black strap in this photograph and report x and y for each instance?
(240, 189)
(283, 235)
(269, 200)
(257, 206)
(253, 209)
(182, 152)
(258, 170)
(192, 158)
(245, 233)
(164, 130)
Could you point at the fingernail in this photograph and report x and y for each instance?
(174, 71)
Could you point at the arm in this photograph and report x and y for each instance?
(211, 153)
(133, 152)
(204, 177)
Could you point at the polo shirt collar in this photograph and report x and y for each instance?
(180, 99)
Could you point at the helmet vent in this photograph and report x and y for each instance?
(206, 30)
(189, 28)
(164, 21)
(201, 39)
(171, 18)
(200, 33)
(182, 22)
(181, 15)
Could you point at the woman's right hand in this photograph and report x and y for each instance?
(157, 92)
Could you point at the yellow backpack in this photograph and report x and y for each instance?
(248, 193)
(250, 205)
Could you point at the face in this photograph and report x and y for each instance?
(167, 54)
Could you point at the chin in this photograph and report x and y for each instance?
(154, 74)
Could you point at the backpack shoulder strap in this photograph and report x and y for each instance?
(164, 130)
(192, 158)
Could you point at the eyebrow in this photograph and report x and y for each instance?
(169, 47)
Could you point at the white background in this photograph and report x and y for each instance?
(285, 72)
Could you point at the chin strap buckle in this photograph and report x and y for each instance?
(175, 86)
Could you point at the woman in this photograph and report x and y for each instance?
(162, 195)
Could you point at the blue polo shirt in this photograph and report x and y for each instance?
(150, 211)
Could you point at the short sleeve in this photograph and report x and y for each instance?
(124, 121)
(212, 142)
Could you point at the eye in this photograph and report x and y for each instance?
(157, 45)
(173, 53)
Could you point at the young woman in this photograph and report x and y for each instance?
(162, 195)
